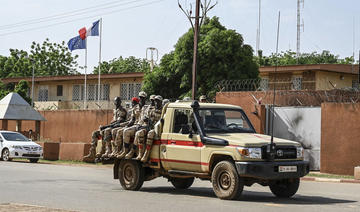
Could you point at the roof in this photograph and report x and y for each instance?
(187, 104)
(338, 68)
(75, 77)
(14, 107)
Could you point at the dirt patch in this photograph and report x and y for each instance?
(13, 207)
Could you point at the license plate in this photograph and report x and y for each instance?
(287, 168)
(33, 153)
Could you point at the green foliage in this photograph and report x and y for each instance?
(22, 89)
(123, 65)
(222, 55)
(289, 58)
(47, 59)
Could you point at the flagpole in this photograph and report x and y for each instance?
(99, 88)
(85, 91)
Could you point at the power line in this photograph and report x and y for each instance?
(88, 17)
(67, 14)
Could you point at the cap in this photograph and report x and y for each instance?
(152, 97)
(158, 97)
(142, 94)
(135, 99)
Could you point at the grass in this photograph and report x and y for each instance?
(332, 176)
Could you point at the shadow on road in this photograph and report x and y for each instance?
(250, 196)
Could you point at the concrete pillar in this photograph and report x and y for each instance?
(37, 130)
(4, 124)
(18, 125)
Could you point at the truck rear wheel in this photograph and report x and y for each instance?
(285, 188)
(182, 183)
(226, 182)
(131, 175)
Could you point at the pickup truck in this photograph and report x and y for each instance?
(215, 142)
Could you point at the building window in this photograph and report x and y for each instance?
(43, 93)
(355, 84)
(129, 90)
(297, 83)
(92, 92)
(264, 84)
(59, 90)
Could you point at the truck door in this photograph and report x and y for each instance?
(179, 151)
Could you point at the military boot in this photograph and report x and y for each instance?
(90, 158)
(108, 150)
(102, 151)
(145, 156)
(115, 151)
(124, 151)
(131, 153)
(141, 152)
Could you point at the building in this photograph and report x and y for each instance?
(67, 92)
(310, 77)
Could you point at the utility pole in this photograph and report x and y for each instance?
(299, 25)
(258, 31)
(359, 72)
(151, 60)
(196, 37)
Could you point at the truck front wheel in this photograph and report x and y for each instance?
(226, 182)
(182, 183)
(131, 175)
(285, 188)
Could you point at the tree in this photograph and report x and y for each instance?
(123, 65)
(222, 56)
(22, 89)
(289, 58)
(48, 59)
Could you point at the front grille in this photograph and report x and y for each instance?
(282, 152)
(31, 148)
(31, 155)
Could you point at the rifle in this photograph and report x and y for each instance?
(112, 125)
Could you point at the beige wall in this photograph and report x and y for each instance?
(323, 78)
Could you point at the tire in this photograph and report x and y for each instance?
(182, 183)
(5, 155)
(285, 188)
(33, 160)
(131, 175)
(226, 182)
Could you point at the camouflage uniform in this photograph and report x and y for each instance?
(155, 116)
(90, 158)
(135, 116)
(120, 115)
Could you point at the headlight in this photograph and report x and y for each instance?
(254, 153)
(299, 152)
(16, 147)
(40, 148)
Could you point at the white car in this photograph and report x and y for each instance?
(16, 145)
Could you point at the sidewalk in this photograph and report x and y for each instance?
(328, 178)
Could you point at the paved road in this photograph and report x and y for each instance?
(91, 188)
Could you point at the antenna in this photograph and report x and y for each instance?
(258, 31)
(270, 150)
(151, 59)
(299, 25)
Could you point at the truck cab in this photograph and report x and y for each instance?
(216, 142)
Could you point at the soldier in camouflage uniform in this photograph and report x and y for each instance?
(118, 132)
(154, 116)
(119, 117)
(99, 134)
(136, 120)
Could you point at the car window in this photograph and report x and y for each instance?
(182, 121)
(10, 136)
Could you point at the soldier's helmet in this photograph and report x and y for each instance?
(158, 97)
(165, 101)
(142, 94)
(186, 98)
(117, 100)
(152, 97)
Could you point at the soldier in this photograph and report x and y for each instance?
(99, 134)
(119, 117)
(136, 121)
(155, 116)
(117, 140)
(165, 101)
(202, 99)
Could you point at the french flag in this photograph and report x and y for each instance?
(92, 31)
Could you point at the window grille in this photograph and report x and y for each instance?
(355, 84)
(129, 90)
(92, 92)
(43, 94)
(297, 83)
(264, 84)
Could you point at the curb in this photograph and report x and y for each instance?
(329, 180)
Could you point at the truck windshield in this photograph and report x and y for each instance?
(14, 136)
(225, 121)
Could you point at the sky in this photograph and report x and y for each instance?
(131, 26)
